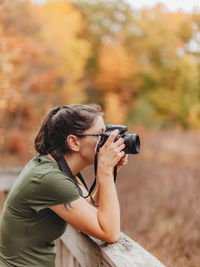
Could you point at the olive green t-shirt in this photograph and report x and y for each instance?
(28, 228)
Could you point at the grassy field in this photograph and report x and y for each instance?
(159, 195)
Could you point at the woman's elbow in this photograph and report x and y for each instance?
(112, 238)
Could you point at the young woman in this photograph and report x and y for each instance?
(43, 199)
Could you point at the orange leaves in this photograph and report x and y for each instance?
(38, 52)
(62, 25)
(65, 51)
(14, 142)
(114, 67)
(98, 51)
(115, 110)
(17, 58)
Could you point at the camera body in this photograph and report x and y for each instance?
(131, 141)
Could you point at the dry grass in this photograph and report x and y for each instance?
(159, 197)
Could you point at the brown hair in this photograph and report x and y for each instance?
(62, 121)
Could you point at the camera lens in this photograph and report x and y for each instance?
(132, 144)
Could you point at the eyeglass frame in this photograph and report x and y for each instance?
(82, 135)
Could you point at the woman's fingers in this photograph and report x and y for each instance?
(123, 161)
(112, 149)
(125, 157)
(112, 137)
(121, 147)
(121, 154)
(119, 141)
(115, 146)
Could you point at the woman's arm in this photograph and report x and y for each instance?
(102, 223)
(123, 161)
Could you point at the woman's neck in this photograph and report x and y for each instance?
(75, 163)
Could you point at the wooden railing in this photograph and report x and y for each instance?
(76, 249)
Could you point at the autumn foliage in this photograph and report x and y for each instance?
(141, 66)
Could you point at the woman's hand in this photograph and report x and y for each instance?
(111, 153)
(123, 161)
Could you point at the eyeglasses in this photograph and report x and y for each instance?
(81, 135)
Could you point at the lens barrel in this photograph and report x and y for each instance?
(132, 143)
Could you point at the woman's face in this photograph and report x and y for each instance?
(88, 144)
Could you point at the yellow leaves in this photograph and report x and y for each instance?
(113, 59)
(194, 116)
(57, 8)
(166, 101)
(114, 67)
(115, 109)
(65, 51)
(62, 25)
(144, 55)
(159, 29)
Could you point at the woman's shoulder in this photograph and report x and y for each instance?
(40, 167)
(43, 163)
(50, 183)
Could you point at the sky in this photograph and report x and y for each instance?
(173, 5)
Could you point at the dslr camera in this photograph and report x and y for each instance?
(131, 141)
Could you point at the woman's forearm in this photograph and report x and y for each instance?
(109, 211)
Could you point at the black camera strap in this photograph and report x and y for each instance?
(63, 165)
(115, 173)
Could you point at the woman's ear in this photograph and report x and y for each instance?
(73, 143)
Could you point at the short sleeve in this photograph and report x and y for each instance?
(51, 189)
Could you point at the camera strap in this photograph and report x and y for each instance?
(115, 173)
(95, 172)
(63, 165)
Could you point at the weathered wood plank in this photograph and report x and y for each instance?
(67, 258)
(126, 253)
(82, 247)
(58, 253)
(123, 253)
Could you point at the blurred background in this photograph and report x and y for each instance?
(141, 63)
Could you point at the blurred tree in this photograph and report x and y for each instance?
(140, 64)
(42, 59)
(169, 72)
(112, 80)
(21, 64)
(110, 69)
(66, 52)
(142, 58)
